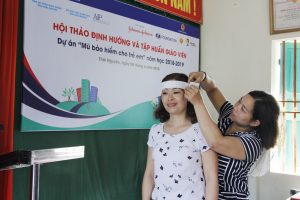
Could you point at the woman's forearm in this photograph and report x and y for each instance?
(208, 83)
(211, 190)
(208, 127)
(147, 187)
(210, 167)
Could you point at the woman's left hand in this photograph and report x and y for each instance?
(192, 94)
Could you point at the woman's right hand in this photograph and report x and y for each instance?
(193, 95)
(210, 87)
(197, 77)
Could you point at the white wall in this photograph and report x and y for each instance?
(236, 51)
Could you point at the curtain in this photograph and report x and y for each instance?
(112, 168)
(8, 51)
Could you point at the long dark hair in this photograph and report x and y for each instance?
(161, 113)
(267, 111)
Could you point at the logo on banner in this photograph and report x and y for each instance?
(136, 30)
(186, 41)
(180, 40)
(99, 18)
(182, 27)
(160, 36)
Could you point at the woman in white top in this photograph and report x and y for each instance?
(180, 164)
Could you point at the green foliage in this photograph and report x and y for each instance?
(68, 93)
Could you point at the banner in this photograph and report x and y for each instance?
(97, 65)
(187, 9)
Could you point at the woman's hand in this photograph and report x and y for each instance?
(192, 94)
(197, 77)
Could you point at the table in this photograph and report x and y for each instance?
(34, 159)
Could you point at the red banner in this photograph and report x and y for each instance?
(187, 9)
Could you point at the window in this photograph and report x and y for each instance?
(286, 155)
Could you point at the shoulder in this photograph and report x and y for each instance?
(156, 126)
(224, 121)
(196, 127)
(201, 142)
(155, 130)
(252, 145)
(196, 130)
(154, 133)
(225, 110)
(250, 136)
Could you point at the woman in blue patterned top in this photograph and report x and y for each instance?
(180, 164)
(243, 131)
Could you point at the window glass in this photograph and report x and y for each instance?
(285, 157)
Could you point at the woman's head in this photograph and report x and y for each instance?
(266, 111)
(258, 111)
(242, 113)
(172, 99)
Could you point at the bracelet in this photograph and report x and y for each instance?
(204, 76)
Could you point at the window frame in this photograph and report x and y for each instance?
(279, 154)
